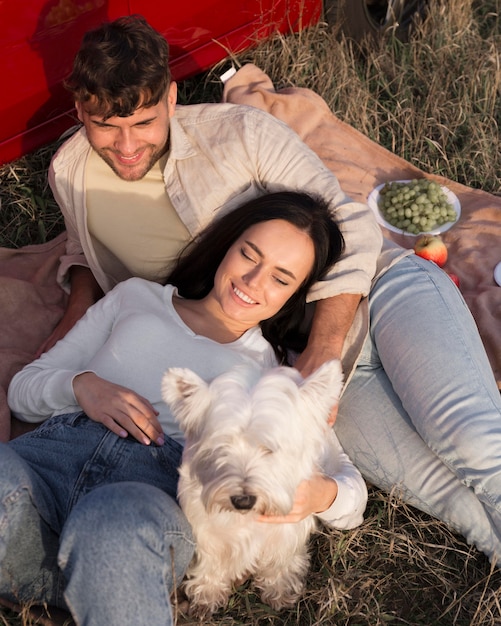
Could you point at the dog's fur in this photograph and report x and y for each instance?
(251, 438)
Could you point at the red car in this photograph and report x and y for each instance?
(39, 39)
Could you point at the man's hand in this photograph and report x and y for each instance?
(312, 496)
(120, 409)
(84, 293)
(331, 322)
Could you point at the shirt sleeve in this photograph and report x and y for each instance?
(286, 162)
(45, 387)
(66, 175)
(347, 510)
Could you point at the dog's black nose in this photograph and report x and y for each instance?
(244, 502)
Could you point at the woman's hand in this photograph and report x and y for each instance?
(312, 496)
(121, 410)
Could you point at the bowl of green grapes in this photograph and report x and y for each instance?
(414, 207)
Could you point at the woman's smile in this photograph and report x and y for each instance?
(243, 296)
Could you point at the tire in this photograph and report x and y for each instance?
(370, 19)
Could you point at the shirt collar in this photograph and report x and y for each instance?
(180, 144)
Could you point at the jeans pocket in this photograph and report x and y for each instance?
(59, 421)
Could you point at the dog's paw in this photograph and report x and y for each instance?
(280, 592)
(279, 601)
(206, 598)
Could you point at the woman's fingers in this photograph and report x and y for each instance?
(121, 410)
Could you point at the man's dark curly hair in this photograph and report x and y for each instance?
(121, 65)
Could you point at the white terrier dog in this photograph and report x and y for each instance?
(251, 438)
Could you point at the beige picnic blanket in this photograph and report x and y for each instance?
(32, 303)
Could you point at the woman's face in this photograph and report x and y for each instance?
(262, 270)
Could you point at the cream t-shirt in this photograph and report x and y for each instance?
(133, 222)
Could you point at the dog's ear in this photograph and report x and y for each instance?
(187, 395)
(322, 388)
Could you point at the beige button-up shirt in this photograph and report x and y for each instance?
(220, 156)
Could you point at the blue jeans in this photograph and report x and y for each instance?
(422, 413)
(89, 522)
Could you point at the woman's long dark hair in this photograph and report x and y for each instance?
(196, 268)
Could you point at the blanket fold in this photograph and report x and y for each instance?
(32, 304)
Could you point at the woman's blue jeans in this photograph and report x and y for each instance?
(422, 413)
(89, 522)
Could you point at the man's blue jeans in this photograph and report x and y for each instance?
(89, 522)
(422, 413)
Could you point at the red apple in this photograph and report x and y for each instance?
(431, 247)
(454, 278)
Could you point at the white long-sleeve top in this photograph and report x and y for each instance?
(130, 338)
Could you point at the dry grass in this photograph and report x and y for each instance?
(435, 102)
(28, 211)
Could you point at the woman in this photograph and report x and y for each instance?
(89, 518)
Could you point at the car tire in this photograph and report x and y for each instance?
(370, 19)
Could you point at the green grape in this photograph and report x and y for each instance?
(415, 206)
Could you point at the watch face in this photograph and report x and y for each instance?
(497, 274)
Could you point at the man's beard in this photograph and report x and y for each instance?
(133, 173)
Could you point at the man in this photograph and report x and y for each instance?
(143, 176)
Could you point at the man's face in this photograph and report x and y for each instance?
(131, 145)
